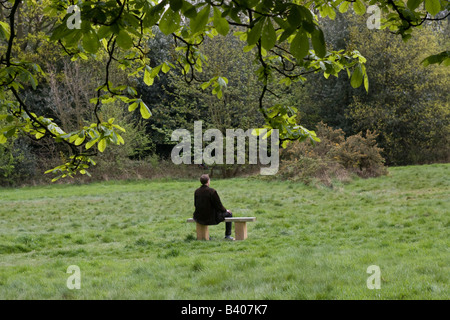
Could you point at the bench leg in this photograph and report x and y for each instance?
(202, 232)
(240, 228)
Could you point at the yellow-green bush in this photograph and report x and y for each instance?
(335, 157)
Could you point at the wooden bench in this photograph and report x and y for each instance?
(240, 227)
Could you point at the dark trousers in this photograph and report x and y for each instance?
(228, 225)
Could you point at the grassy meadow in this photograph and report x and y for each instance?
(130, 239)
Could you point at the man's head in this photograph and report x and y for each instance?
(204, 179)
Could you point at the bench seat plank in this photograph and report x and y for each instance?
(240, 227)
(234, 219)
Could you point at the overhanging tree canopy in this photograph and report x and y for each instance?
(285, 37)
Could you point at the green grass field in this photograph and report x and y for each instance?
(130, 240)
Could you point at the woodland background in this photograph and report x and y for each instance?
(404, 118)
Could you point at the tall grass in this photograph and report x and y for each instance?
(130, 239)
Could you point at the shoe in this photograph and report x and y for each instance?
(230, 238)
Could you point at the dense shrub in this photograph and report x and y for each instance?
(361, 155)
(335, 157)
(17, 163)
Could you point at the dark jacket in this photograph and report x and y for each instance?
(208, 207)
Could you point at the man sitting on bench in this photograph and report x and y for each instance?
(208, 207)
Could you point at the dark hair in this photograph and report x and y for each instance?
(204, 178)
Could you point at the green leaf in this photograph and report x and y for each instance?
(221, 24)
(109, 100)
(176, 5)
(124, 40)
(132, 106)
(344, 6)
(189, 10)
(170, 21)
(10, 132)
(300, 46)
(120, 139)
(357, 76)
(437, 59)
(102, 145)
(104, 32)
(165, 67)
(33, 81)
(366, 83)
(295, 17)
(248, 48)
(4, 30)
(221, 81)
(148, 80)
(318, 42)
(2, 139)
(72, 138)
(153, 15)
(145, 111)
(79, 140)
(114, 138)
(39, 135)
(59, 32)
(306, 15)
(199, 22)
(73, 37)
(269, 36)
(155, 71)
(433, 6)
(328, 11)
(286, 34)
(255, 32)
(413, 4)
(119, 127)
(57, 178)
(331, 13)
(219, 93)
(90, 143)
(90, 42)
(359, 7)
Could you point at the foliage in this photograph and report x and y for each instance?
(408, 104)
(285, 38)
(361, 155)
(138, 144)
(181, 102)
(17, 163)
(334, 157)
